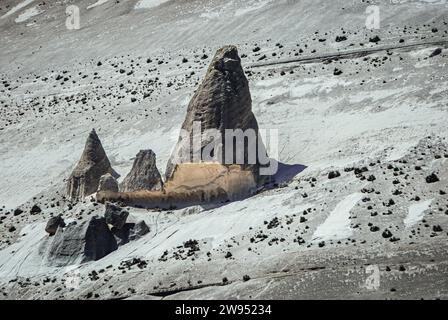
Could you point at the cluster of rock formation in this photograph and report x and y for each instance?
(222, 102)
(53, 225)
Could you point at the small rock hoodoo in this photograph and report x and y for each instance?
(94, 163)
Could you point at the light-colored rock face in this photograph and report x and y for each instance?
(213, 181)
(144, 174)
(222, 101)
(108, 183)
(85, 178)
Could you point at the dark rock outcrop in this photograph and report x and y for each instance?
(53, 225)
(130, 232)
(93, 164)
(144, 174)
(115, 216)
(222, 101)
(122, 236)
(108, 183)
(89, 240)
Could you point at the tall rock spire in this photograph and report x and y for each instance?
(144, 174)
(222, 101)
(93, 164)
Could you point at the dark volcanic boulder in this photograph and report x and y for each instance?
(433, 178)
(222, 101)
(144, 174)
(123, 235)
(89, 240)
(93, 164)
(53, 225)
(108, 183)
(18, 212)
(140, 229)
(115, 216)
